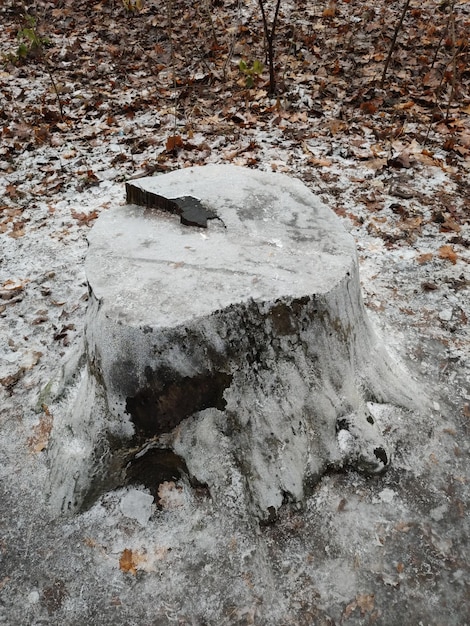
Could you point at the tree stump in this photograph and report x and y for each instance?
(226, 344)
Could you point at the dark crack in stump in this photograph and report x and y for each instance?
(191, 210)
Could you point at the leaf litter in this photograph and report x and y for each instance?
(137, 91)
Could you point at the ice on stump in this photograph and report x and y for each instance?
(137, 505)
(237, 356)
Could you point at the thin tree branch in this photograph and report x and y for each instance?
(172, 58)
(269, 35)
(59, 102)
(394, 41)
(454, 60)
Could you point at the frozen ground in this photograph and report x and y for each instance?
(392, 550)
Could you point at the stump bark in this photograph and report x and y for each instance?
(231, 350)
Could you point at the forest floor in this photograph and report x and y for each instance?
(93, 95)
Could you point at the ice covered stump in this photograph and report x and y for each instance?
(230, 346)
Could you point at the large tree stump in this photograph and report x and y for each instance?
(226, 341)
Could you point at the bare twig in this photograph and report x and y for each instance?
(232, 42)
(454, 58)
(54, 85)
(451, 29)
(207, 9)
(438, 47)
(269, 34)
(394, 41)
(172, 57)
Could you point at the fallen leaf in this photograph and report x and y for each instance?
(330, 10)
(319, 162)
(18, 230)
(134, 6)
(173, 143)
(128, 562)
(400, 161)
(10, 189)
(370, 107)
(448, 253)
(84, 219)
(424, 258)
(11, 288)
(336, 126)
(10, 381)
(450, 225)
(405, 105)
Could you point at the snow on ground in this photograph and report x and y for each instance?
(390, 550)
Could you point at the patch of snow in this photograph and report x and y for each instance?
(137, 505)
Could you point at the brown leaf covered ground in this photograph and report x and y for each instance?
(102, 67)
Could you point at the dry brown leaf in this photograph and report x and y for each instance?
(17, 229)
(448, 253)
(173, 143)
(427, 159)
(375, 164)
(401, 160)
(330, 10)
(450, 225)
(84, 219)
(424, 258)
(10, 189)
(462, 150)
(11, 288)
(336, 126)
(129, 561)
(10, 381)
(404, 105)
(319, 162)
(369, 107)
(432, 79)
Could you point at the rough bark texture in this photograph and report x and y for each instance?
(238, 357)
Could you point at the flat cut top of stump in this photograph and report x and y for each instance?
(272, 238)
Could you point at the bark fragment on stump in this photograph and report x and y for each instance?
(241, 350)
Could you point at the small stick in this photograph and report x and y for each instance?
(454, 60)
(269, 36)
(394, 41)
(172, 57)
(59, 102)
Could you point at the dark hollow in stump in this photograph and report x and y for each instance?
(234, 353)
